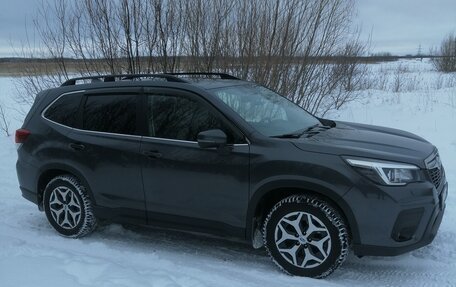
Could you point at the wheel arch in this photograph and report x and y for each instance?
(50, 171)
(266, 196)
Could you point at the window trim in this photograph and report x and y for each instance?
(80, 111)
(141, 116)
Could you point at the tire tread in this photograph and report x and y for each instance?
(331, 214)
(90, 221)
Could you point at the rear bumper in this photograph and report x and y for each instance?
(26, 175)
(29, 195)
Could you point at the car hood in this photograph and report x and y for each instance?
(360, 140)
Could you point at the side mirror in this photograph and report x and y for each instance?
(211, 138)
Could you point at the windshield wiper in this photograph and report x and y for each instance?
(296, 134)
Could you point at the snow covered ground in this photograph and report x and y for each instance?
(32, 254)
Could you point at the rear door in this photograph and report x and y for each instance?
(106, 148)
(185, 184)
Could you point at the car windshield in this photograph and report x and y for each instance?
(268, 112)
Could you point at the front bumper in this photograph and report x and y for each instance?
(392, 220)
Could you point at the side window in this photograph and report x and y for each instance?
(65, 110)
(181, 118)
(110, 113)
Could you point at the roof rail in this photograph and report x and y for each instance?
(121, 77)
(222, 76)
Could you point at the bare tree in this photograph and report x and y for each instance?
(4, 122)
(445, 60)
(300, 48)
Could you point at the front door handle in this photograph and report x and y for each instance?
(152, 154)
(76, 146)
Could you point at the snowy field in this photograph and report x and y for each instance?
(32, 254)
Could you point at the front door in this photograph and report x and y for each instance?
(185, 184)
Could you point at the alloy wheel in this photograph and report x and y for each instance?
(302, 239)
(65, 207)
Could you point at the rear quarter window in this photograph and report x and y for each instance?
(64, 110)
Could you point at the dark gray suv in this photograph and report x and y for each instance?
(215, 154)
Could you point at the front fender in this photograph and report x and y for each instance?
(305, 185)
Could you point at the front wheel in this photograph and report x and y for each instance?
(305, 236)
(68, 207)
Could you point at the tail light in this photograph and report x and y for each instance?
(21, 136)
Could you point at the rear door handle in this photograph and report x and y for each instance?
(152, 154)
(76, 146)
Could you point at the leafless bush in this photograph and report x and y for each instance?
(397, 84)
(298, 48)
(381, 79)
(347, 77)
(453, 100)
(445, 60)
(399, 80)
(4, 122)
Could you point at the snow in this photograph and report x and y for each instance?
(32, 254)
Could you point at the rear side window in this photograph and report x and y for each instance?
(110, 113)
(65, 110)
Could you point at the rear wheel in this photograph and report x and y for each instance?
(68, 207)
(305, 236)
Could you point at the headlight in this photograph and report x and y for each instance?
(389, 173)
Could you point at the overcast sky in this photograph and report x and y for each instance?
(400, 26)
(13, 18)
(396, 26)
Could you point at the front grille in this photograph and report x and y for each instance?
(436, 176)
(435, 169)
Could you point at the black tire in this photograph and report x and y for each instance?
(68, 207)
(330, 232)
